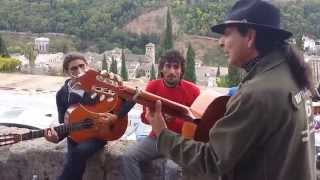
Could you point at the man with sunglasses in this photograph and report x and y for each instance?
(170, 86)
(75, 64)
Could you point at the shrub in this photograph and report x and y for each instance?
(9, 64)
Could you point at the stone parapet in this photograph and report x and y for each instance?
(38, 157)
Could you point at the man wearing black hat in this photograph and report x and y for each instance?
(265, 133)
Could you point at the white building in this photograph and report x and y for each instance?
(314, 62)
(308, 43)
(42, 45)
(151, 52)
(134, 62)
(317, 46)
(48, 62)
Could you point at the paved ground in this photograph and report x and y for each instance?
(40, 82)
(53, 83)
(30, 82)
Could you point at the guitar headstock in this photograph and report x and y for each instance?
(111, 78)
(7, 139)
(101, 83)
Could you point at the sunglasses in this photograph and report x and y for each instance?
(171, 65)
(75, 68)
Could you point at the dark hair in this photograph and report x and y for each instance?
(172, 56)
(267, 41)
(71, 57)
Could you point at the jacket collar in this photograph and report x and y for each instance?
(248, 66)
(266, 63)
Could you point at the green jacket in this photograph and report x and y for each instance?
(264, 134)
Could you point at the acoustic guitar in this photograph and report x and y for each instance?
(81, 123)
(107, 131)
(204, 112)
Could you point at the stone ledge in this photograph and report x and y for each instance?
(21, 161)
(38, 157)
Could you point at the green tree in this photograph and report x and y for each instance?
(295, 21)
(124, 71)
(114, 66)
(234, 76)
(31, 55)
(190, 71)
(167, 42)
(218, 72)
(152, 72)
(168, 39)
(232, 79)
(3, 48)
(104, 63)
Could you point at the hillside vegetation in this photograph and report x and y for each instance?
(99, 25)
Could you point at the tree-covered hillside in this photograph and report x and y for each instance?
(197, 17)
(98, 23)
(89, 20)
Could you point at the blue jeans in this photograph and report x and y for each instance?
(77, 156)
(143, 151)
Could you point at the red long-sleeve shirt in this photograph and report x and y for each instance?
(184, 93)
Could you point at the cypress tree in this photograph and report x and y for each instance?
(152, 72)
(104, 63)
(124, 71)
(190, 71)
(168, 39)
(113, 66)
(218, 71)
(3, 48)
(31, 55)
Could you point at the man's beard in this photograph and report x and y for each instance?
(171, 82)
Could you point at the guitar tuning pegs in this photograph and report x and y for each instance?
(112, 93)
(118, 79)
(111, 75)
(102, 97)
(103, 72)
(94, 95)
(110, 99)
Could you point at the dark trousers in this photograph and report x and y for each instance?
(77, 156)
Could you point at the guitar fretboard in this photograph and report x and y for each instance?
(62, 129)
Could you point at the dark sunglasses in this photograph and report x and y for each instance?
(171, 65)
(74, 68)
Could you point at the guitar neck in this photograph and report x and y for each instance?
(93, 79)
(61, 129)
(148, 99)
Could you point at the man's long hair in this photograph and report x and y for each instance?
(266, 43)
(171, 56)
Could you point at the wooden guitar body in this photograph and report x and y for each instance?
(204, 112)
(100, 129)
(213, 112)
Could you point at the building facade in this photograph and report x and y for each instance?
(42, 45)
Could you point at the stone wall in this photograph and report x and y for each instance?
(38, 157)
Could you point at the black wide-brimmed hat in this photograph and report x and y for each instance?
(258, 14)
